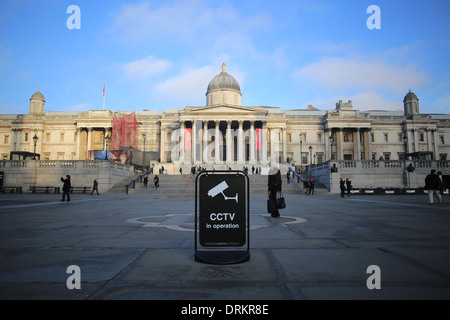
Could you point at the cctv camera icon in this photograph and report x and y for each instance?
(219, 189)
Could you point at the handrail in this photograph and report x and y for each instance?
(296, 174)
(133, 182)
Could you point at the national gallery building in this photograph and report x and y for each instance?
(223, 133)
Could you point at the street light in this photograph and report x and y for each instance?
(310, 154)
(106, 146)
(35, 140)
(301, 158)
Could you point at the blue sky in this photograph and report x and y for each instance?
(162, 54)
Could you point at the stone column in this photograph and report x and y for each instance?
(77, 155)
(284, 137)
(429, 133)
(369, 144)
(162, 147)
(217, 143)
(264, 143)
(89, 142)
(240, 142)
(194, 141)
(182, 133)
(413, 131)
(229, 142)
(252, 142)
(436, 148)
(358, 144)
(341, 145)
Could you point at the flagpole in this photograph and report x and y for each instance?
(104, 87)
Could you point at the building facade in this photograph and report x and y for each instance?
(225, 133)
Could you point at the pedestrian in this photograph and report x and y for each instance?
(95, 187)
(156, 181)
(145, 181)
(311, 186)
(349, 186)
(434, 185)
(288, 177)
(181, 170)
(342, 186)
(66, 188)
(306, 186)
(274, 186)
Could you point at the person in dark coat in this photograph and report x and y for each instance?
(342, 186)
(66, 188)
(434, 185)
(156, 181)
(274, 186)
(95, 187)
(349, 187)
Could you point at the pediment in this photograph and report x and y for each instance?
(224, 109)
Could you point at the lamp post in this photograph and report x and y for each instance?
(301, 158)
(143, 160)
(310, 155)
(35, 140)
(106, 146)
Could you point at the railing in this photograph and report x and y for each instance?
(132, 183)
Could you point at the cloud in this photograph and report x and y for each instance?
(145, 67)
(361, 101)
(190, 85)
(345, 73)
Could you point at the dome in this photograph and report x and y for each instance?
(410, 96)
(38, 96)
(223, 81)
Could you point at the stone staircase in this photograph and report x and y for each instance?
(178, 186)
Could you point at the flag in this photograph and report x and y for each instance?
(104, 88)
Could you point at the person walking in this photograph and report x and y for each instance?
(434, 185)
(349, 187)
(288, 177)
(95, 187)
(145, 181)
(274, 186)
(311, 186)
(342, 187)
(66, 188)
(156, 181)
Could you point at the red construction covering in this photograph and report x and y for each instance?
(187, 139)
(124, 133)
(258, 138)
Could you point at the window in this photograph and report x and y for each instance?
(26, 137)
(4, 156)
(386, 137)
(372, 138)
(303, 137)
(442, 139)
(319, 157)
(421, 137)
(47, 137)
(387, 156)
(60, 155)
(61, 137)
(443, 157)
(319, 137)
(6, 140)
(401, 156)
(47, 156)
(345, 137)
(400, 137)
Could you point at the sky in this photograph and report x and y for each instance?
(156, 55)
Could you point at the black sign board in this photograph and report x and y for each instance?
(222, 217)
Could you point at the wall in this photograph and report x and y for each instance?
(26, 173)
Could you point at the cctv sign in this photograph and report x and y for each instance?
(222, 209)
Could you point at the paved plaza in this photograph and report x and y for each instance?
(141, 246)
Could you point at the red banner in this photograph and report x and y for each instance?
(258, 138)
(187, 139)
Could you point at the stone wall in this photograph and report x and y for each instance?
(376, 173)
(26, 173)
